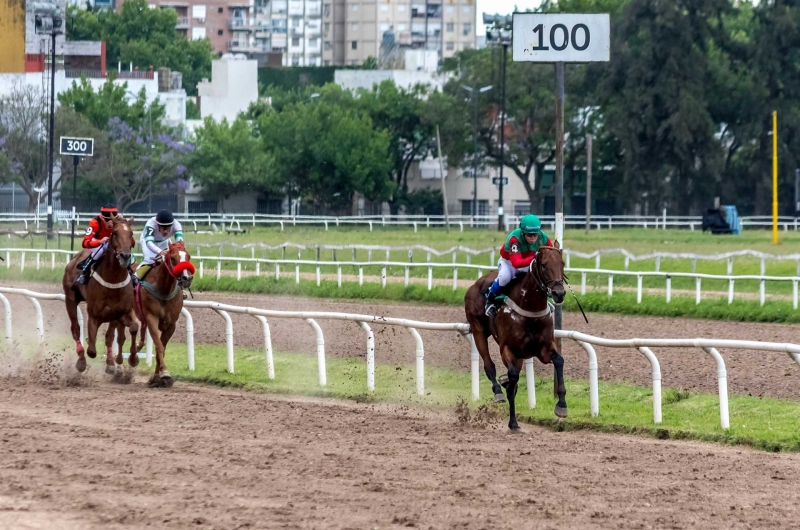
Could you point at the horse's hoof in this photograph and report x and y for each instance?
(133, 360)
(118, 359)
(91, 354)
(153, 382)
(166, 379)
(499, 398)
(514, 429)
(111, 369)
(561, 412)
(81, 365)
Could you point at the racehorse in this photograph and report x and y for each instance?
(159, 303)
(523, 328)
(108, 295)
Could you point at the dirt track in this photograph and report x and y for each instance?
(749, 372)
(108, 456)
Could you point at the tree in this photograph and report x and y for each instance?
(112, 101)
(23, 140)
(146, 37)
(229, 158)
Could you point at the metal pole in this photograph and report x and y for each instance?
(444, 188)
(474, 153)
(500, 216)
(75, 160)
(775, 177)
(589, 139)
(51, 133)
(559, 173)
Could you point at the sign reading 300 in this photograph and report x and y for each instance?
(561, 38)
(77, 146)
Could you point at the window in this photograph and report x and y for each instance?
(451, 27)
(466, 46)
(466, 10)
(326, 10)
(401, 27)
(327, 62)
(354, 45)
(219, 32)
(384, 8)
(355, 7)
(219, 10)
(450, 45)
(450, 9)
(384, 27)
(198, 11)
(483, 207)
(327, 27)
(467, 28)
(295, 41)
(295, 22)
(354, 26)
(312, 43)
(198, 33)
(401, 8)
(327, 45)
(295, 61)
(522, 208)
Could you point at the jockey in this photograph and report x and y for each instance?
(96, 237)
(155, 239)
(516, 255)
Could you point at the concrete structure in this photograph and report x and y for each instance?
(366, 79)
(233, 87)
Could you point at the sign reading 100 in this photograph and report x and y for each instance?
(556, 37)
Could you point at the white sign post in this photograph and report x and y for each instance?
(560, 38)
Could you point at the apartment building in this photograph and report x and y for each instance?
(354, 30)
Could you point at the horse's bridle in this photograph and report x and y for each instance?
(171, 270)
(544, 286)
(117, 253)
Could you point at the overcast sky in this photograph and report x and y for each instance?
(503, 7)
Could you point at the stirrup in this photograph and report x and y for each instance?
(83, 279)
(491, 310)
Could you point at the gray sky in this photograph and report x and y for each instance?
(503, 7)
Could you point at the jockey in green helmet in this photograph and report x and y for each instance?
(516, 255)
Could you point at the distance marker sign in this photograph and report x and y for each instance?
(77, 146)
(561, 38)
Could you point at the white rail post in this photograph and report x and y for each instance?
(762, 292)
(39, 318)
(219, 269)
(474, 360)
(455, 278)
(594, 393)
(597, 260)
(730, 266)
(318, 276)
(360, 275)
(697, 291)
(420, 356)
(323, 380)
(189, 337)
(370, 356)
(610, 284)
(730, 291)
(267, 346)
(228, 337)
(383, 277)
(530, 381)
(238, 270)
(638, 288)
(38, 260)
(258, 268)
(658, 263)
(656, 367)
(201, 268)
(339, 276)
(583, 283)
(7, 307)
(669, 288)
(277, 271)
(794, 294)
(22, 262)
(430, 278)
(722, 379)
(406, 279)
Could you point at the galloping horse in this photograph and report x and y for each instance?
(108, 296)
(523, 327)
(159, 303)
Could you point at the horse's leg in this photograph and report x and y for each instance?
(161, 377)
(92, 327)
(120, 342)
(558, 383)
(75, 329)
(482, 343)
(110, 366)
(132, 323)
(514, 368)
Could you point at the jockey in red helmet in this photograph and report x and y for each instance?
(97, 235)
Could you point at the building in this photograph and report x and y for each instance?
(233, 87)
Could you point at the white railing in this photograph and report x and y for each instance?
(785, 223)
(586, 342)
(430, 266)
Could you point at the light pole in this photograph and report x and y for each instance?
(48, 20)
(499, 32)
(474, 96)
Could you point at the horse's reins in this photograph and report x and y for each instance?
(171, 269)
(546, 286)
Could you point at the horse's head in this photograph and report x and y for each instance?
(548, 269)
(122, 239)
(180, 266)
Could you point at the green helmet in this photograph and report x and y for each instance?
(530, 224)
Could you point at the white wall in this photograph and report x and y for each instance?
(356, 79)
(233, 87)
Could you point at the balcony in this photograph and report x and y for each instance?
(242, 46)
(183, 23)
(239, 24)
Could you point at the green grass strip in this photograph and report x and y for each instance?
(768, 424)
(622, 302)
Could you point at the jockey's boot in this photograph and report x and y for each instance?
(86, 272)
(134, 278)
(491, 299)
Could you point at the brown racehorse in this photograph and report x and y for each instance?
(523, 327)
(159, 301)
(108, 296)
